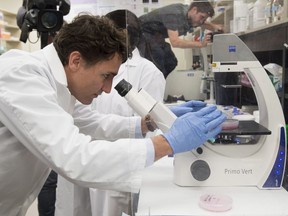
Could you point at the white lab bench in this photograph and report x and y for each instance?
(160, 196)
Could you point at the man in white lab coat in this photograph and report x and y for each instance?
(42, 129)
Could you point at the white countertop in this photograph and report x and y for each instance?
(160, 196)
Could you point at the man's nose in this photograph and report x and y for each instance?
(107, 86)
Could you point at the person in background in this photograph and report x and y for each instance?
(171, 22)
(47, 197)
(139, 71)
(142, 74)
(46, 121)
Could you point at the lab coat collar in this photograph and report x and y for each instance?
(134, 61)
(55, 64)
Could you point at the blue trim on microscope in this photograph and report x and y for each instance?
(275, 178)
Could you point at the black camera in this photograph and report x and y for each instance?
(45, 16)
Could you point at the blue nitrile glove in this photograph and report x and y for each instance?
(190, 106)
(193, 129)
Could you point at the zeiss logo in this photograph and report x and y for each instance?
(190, 74)
(232, 48)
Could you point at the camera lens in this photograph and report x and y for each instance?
(49, 20)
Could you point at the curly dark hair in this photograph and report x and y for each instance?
(203, 6)
(95, 37)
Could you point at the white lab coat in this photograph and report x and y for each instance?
(74, 201)
(37, 131)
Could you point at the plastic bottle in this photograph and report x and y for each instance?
(268, 12)
(259, 13)
(275, 9)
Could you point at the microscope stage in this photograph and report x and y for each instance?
(247, 128)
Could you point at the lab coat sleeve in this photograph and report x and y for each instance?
(99, 125)
(30, 109)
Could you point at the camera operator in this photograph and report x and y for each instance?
(45, 16)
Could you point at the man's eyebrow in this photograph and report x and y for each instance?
(113, 73)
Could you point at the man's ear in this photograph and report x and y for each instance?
(74, 60)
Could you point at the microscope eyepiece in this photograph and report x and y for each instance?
(123, 87)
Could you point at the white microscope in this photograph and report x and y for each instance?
(251, 155)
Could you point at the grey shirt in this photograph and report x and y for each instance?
(172, 17)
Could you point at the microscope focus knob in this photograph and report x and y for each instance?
(200, 170)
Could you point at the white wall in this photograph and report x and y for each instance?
(101, 7)
(13, 6)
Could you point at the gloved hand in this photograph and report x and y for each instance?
(193, 129)
(190, 106)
